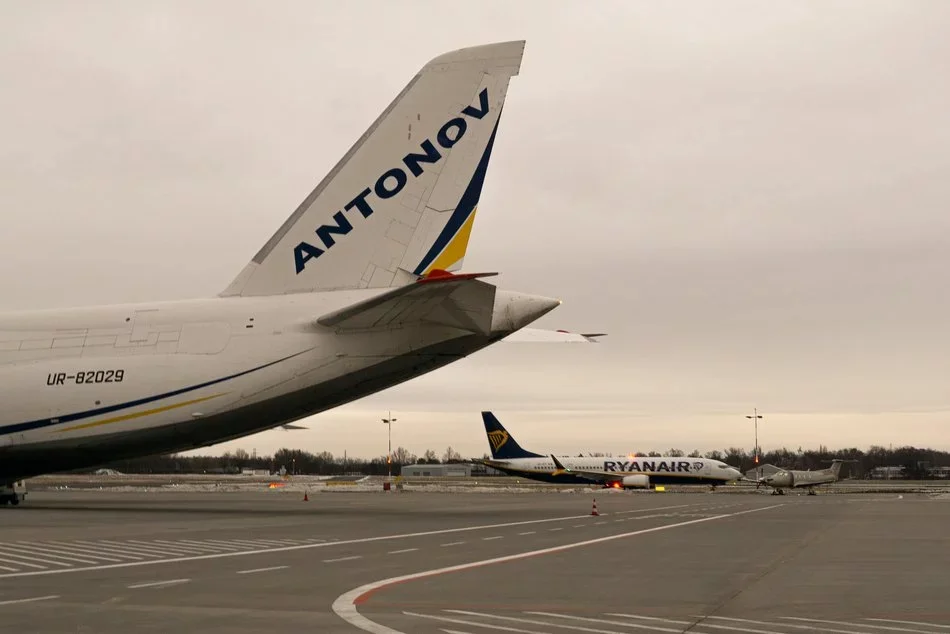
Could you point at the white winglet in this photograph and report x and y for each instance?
(537, 335)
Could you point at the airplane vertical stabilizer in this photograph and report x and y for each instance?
(401, 202)
(503, 445)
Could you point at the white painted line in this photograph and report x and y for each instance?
(452, 544)
(45, 551)
(174, 550)
(943, 627)
(659, 508)
(654, 628)
(334, 542)
(223, 544)
(876, 627)
(598, 523)
(579, 525)
(461, 622)
(156, 584)
(246, 543)
(148, 551)
(29, 557)
(253, 570)
(6, 559)
(330, 561)
(80, 550)
(345, 605)
(454, 631)
(640, 626)
(753, 622)
(488, 539)
(30, 600)
(404, 550)
(208, 546)
(186, 546)
(555, 529)
(651, 618)
(528, 533)
(93, 547)
(10, 569)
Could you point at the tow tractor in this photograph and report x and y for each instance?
(13, 493)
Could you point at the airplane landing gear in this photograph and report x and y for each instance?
(12, 492)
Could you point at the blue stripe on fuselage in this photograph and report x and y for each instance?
(68, 418)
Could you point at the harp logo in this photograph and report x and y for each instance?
(497, 438)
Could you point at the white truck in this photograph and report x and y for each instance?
(13, 493)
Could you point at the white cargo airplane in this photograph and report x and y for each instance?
(353, 294)
(630, 472)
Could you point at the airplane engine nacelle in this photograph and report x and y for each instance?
(638, 481)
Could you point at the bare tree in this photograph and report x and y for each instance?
(401, 455)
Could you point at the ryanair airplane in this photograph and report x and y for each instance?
(357, 291)
(633, 472)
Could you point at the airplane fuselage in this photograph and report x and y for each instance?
(659, 470)
(799, 479)
(81, 387)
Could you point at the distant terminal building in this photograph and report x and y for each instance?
(941, 473)
(437, 470)
(761, 471)
(887, 473)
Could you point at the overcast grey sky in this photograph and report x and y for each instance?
(751, 198)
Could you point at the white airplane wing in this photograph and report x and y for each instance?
(538, 335)
(594, 476)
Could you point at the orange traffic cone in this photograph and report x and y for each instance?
(305, 498)
(594, 511)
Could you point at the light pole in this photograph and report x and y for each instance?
(389, 458)
(755, 418)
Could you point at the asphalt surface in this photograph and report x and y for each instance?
(489, 562)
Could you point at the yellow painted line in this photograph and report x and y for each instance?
(148, 412)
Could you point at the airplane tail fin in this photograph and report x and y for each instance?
(836, 467)
(401, 202)
(503, 445)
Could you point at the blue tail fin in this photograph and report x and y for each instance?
(503, 445)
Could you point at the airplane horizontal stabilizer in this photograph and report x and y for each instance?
(537, 335)
(457, 301)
